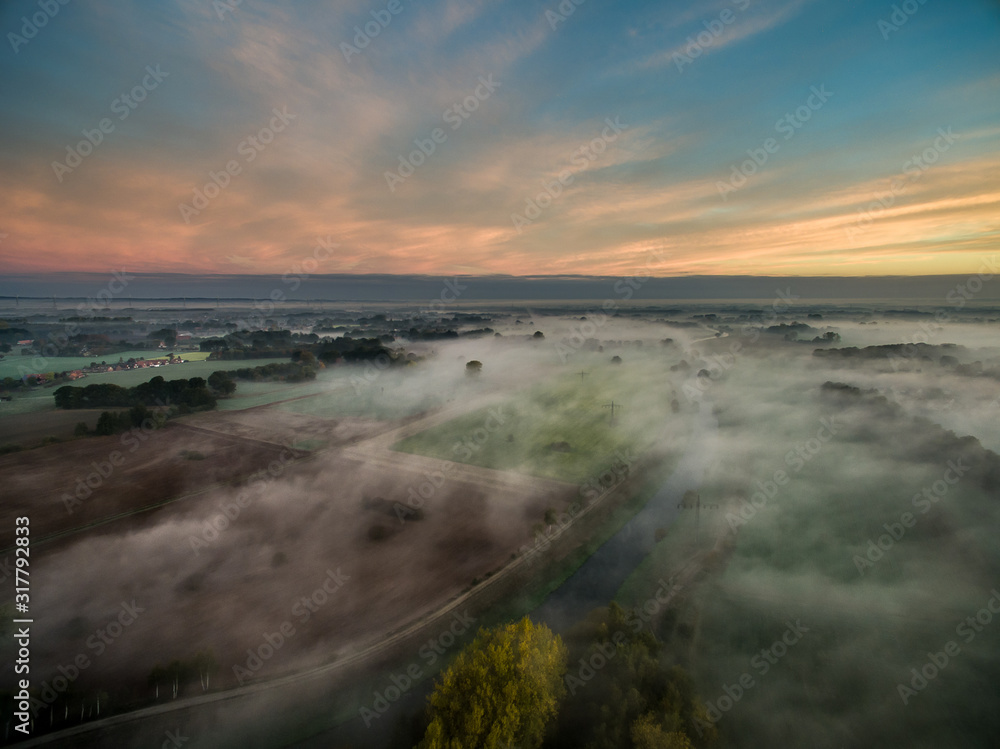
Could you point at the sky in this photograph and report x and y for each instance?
(441, 137)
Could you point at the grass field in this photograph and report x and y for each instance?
(341, 399)
(13, 365)
(37, 400)
(560, 429)
(40, 398)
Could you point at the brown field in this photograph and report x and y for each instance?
(31, 428)
(224, 590)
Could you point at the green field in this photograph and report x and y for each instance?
(40, 398)
(559, 430)
(186, 371)
(341, 399)
(37, 400)
(12, 365)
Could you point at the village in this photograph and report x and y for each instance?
(39, 378)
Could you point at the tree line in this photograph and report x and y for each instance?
(191, 394)
(509, 688)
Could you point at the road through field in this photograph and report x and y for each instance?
(235, 714)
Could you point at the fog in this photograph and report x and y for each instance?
(806, 477)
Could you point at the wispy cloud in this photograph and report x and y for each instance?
(755, 21)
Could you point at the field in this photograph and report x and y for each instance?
(257, 394)
(151, 518)
(561, 429)
(12, 365)
(342, 399)
(25, 418)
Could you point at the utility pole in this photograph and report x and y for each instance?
(612, 405)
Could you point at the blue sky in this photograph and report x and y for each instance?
(663, 182)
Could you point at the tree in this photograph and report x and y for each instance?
(473, 367)
(635, 701)
(67, 397)
(167, 335)
(222, 383)
(205, 663)
(304, 357)
(178, 672)
(106, 424)
(501, 691)
(158, 674)
(648, 734)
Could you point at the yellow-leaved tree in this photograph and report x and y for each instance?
(501, 691)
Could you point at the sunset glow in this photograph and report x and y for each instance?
(722, 159)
